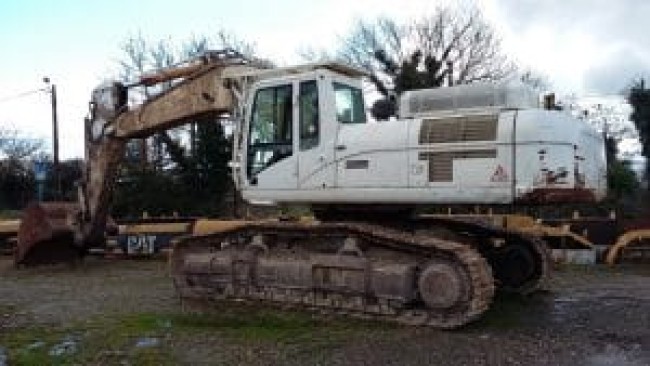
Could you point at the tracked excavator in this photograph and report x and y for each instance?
(301, 136)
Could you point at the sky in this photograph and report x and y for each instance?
(584, 47)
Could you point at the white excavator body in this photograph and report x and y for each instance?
(307, 139)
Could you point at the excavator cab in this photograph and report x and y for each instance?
(290, 133)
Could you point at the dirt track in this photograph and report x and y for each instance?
(588, 317)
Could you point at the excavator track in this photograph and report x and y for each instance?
(521, 263)
(361, 270)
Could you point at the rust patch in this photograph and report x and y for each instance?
(558, 195)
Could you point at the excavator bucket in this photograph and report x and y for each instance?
(46, 234)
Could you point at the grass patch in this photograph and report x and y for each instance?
(101, 341)
(30, 346)
(107, 340)
(296, 333)
(256, 324)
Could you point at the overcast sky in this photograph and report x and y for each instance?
(583, 47)
(587, 46)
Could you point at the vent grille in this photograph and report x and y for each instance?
(459, 129)
(441, 164)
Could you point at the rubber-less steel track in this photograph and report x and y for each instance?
(520, 262)
(230, 264)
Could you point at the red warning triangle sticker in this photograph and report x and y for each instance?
(500, 174)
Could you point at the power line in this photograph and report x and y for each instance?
(21, 95)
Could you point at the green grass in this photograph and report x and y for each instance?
(272, 325)
(23, 347)
(103, 340)
(107, 340)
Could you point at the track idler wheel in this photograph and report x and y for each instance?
(521, 266)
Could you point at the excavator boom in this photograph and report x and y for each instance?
(206, 86)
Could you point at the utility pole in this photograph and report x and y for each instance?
(55, 141)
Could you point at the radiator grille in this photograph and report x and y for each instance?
(459, 129)
(441, 164)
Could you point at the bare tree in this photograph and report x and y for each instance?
(535, 80)
(608, 116)
(162, 55)
(446, 48)
(136, 57)
(16, 177)
(141, 55)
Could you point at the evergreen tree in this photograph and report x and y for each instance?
(447, 47)
(639, 99)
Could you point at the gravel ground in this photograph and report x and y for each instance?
(589, 316)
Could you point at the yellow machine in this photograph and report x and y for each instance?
(635, 242)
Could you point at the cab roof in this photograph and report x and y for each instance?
(338, 67)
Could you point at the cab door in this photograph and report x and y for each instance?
(316, 167)
(271, 160)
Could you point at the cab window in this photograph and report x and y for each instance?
(349, 104)
(309, 116)
(270, 135)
